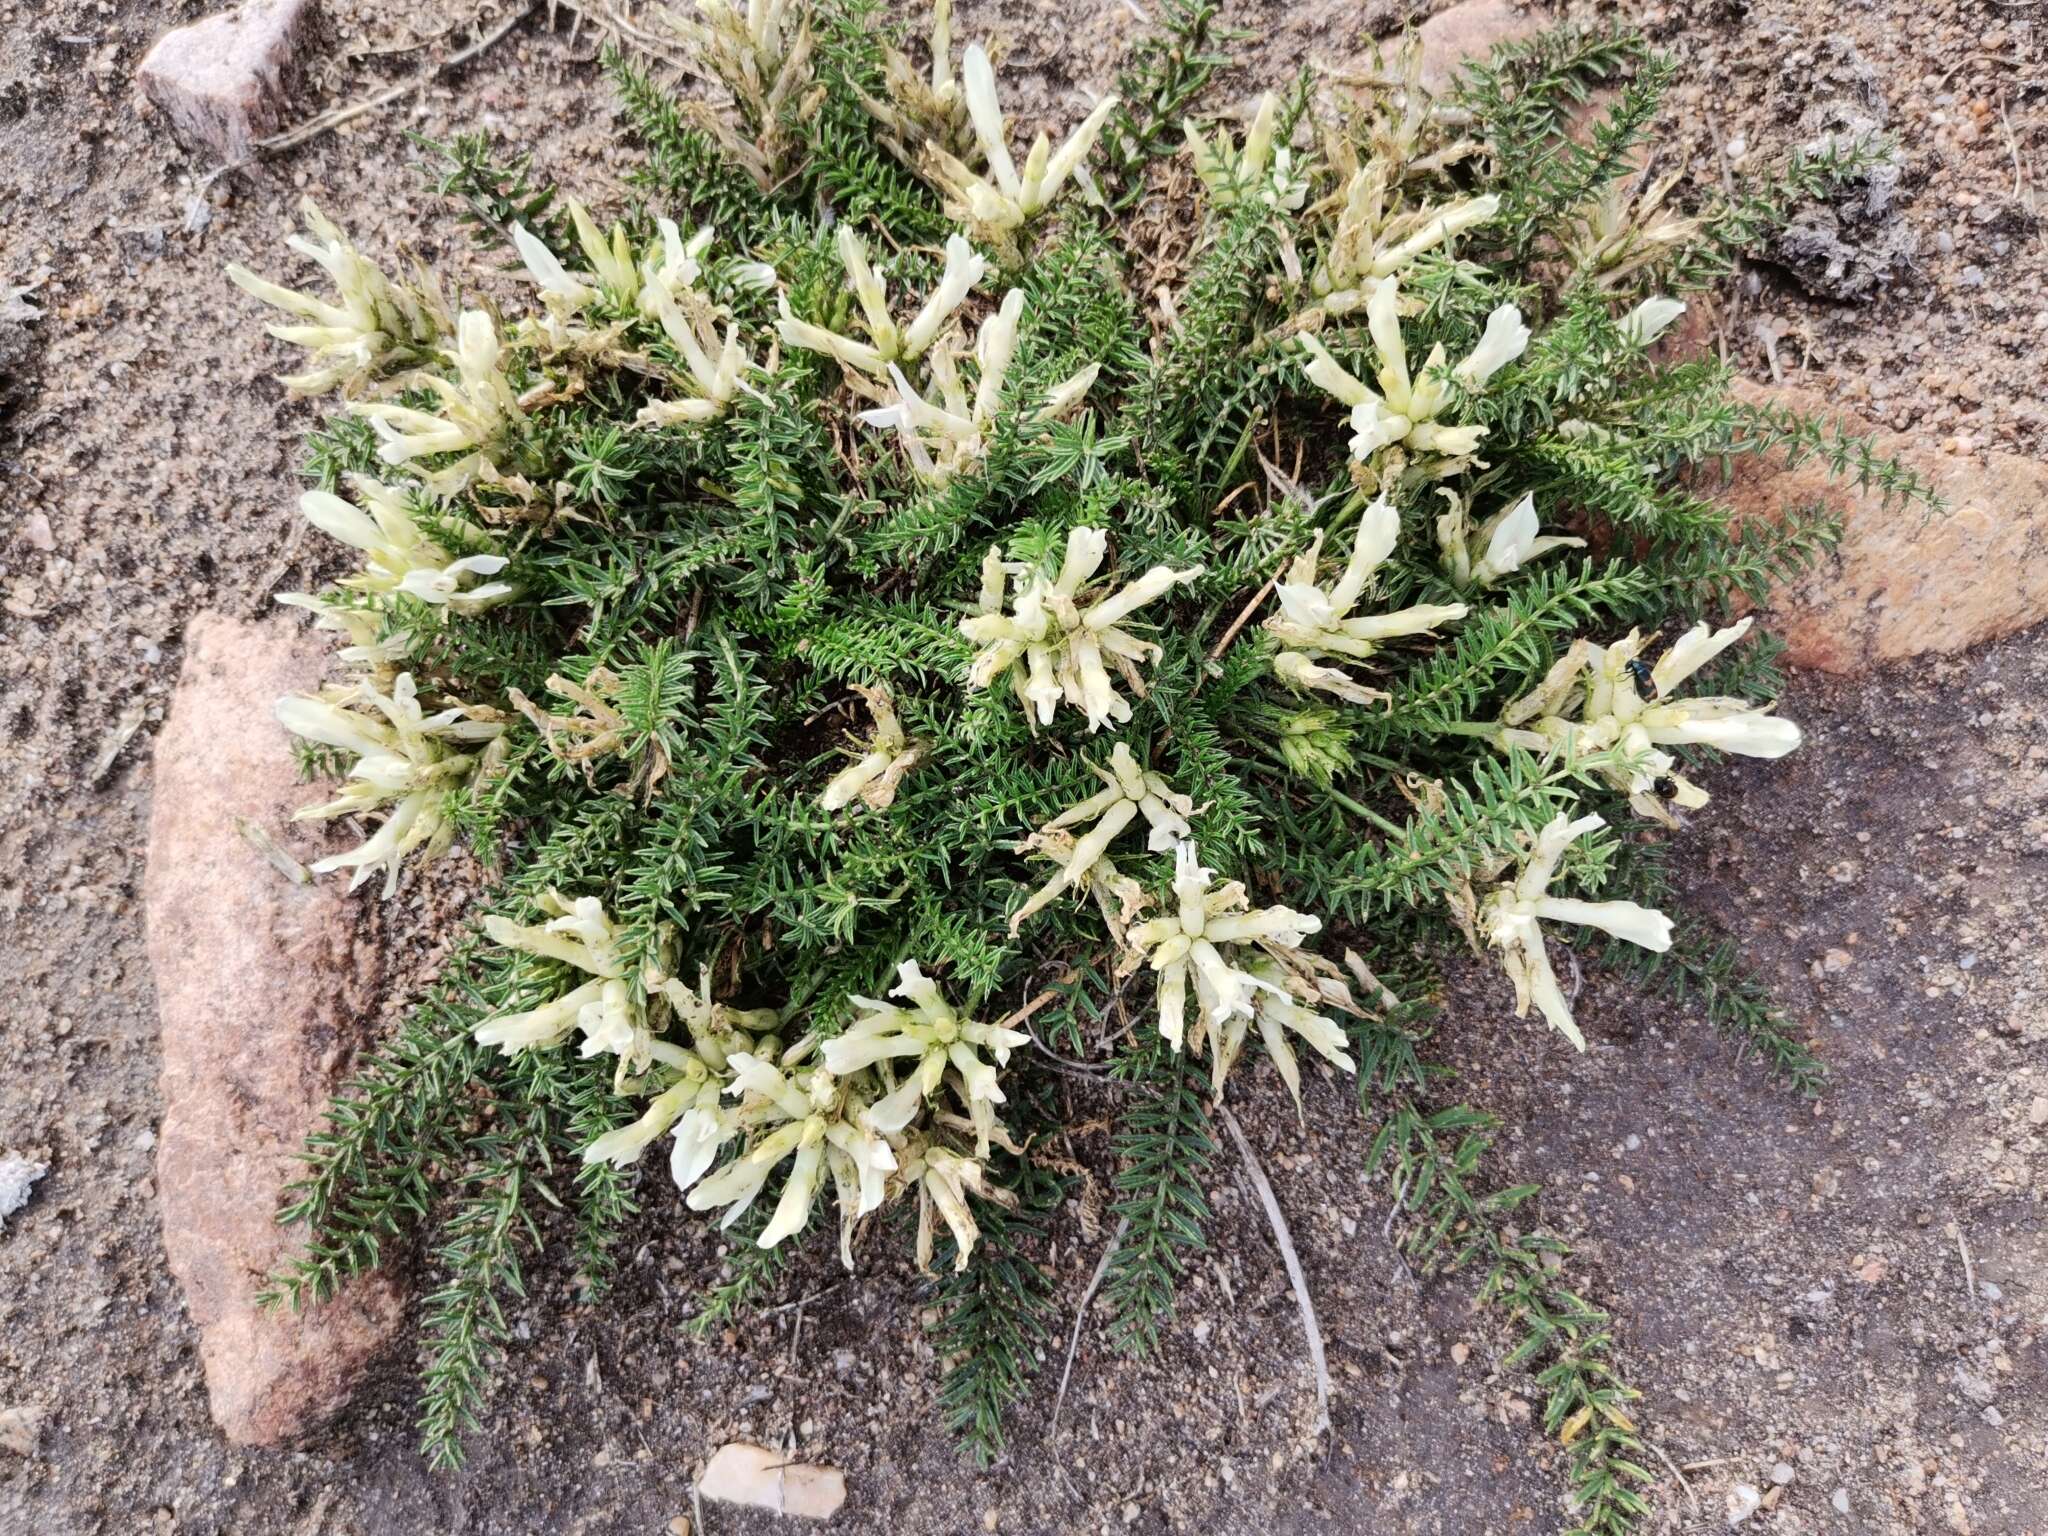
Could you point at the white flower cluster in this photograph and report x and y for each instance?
(1405, 411)
(1131, 792)
(888, 343)
(371, 322)
(402, 559)
(1258, 172)
(1509, 915)
(475, 410)
(904, 1098)
(995, 206)
(662, 285)
(1606, 698)
(1373, 243)
(1247, 965)
(1316, 623)
(945, 427)
(1061, 634)
(1506, 541)
(404, 758)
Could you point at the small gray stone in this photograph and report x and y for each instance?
(1976, 1388)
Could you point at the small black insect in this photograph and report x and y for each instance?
(1665, 787)
(1646, 685)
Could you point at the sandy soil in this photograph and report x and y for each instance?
(1846, 1294)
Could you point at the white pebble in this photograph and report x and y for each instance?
(1742, 1503)
(17, 1177)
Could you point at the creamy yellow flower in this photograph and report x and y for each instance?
(1130, 792)
(1213, 938)
(1256, 172)
(370, 324)
(1604, 699)
(476, 408)
(1506, 541)
(1406, 408)
(873, 777)
(931, 1038)
(1062, 633)
(1509, 919)
(996, 205)
(1315, 622)
(401, 559)
(404, 759)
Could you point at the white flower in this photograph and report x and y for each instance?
(1316, 622)
(362, 626)
(404, 759)
(1278, 1015)
(945, 430)
(401, 557)
(873, 777)
(1297, 671)
(944, 1180)
(1608, 711)
(1214, 938)
(1131, 792)
(931, 1037)
(477, 405)
(542, 1027)
(1055, 643)
(562, 293)
(370, 323)
(714, 385)
(1404, 411)
(887, 342)
(1509, 915)
(671, 271)
(1650, 319)
(706, 1124)
(1508, 540)
(577, 933)
(1256, 172)
(1371, 243)
(624, 1146)
(1504, 339)
(760, 51)
(810, 1111)
(997, 205)
(717, 1031)
(612, 1019)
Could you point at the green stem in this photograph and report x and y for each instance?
(1336, 795)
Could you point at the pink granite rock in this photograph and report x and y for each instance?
(1904, 583)
(224, 81)
(264, 991)
(1470, 30)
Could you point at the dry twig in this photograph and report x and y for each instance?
(1292, 1260)
(1081, 1317)
(334, 117)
